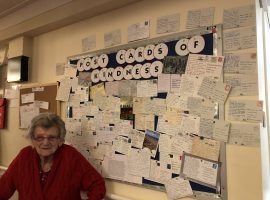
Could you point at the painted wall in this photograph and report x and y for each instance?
(243, 163)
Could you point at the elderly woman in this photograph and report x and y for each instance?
(50, 169)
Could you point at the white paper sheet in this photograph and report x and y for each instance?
(70, 70)
(112, 38)
(201, 107)
(200, 17)
(242, 84)
(190, 124)
(42, 104)
(155, 106)
(137, 138)
(189, 85)
(28, 98)
(206, 148)
(124, 127)
(64, 90)
(105, 134)
(177, 188)
(115, 167)
(128, 88)
(244, 134)
(144, 121)
(168, 126)
(160, 172)
(164, 143)
(242, 63)
(147, 88)
(205, 65)
(139, 163)
(242, 38)
(112, 88)
(27, 113)
(139, 105)
(121, 145)
(221, 130)
(89, 43)
(138, 31)
(181, 143)
(214, 90)
(168, 23)
(245, 110)
(172, 160)
(206, 127)
(12, 93)
(239, 17)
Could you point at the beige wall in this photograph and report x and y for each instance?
(243, 163)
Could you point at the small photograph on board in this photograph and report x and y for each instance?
(126, 108)
(151, 141)
(174, 64)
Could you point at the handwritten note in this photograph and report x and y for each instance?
(221, 130)
(214, 90)
(112, 38)
(64, 90)
(168, 23)
(200, 17)
(139, 163)
(178, 188)
(239, 17)
(28, 98)
(242, 84)
(242, 38)
(244, 63)
(206, 148)
(244, 134)
(204, 65)
(245, 110)
(138, 31)
(147, 88)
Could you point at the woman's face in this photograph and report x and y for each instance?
(46, 141)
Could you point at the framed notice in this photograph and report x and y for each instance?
(200, 170)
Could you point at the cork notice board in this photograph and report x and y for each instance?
(45, 94)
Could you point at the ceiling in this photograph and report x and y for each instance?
(9, 6)
(33, 17)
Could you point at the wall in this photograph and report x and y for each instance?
(243, 163)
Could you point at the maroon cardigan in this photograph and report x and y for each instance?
(70, 173)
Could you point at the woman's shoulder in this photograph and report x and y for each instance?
(25, 153)
(26, 150)
(69, 149)
(70, 152)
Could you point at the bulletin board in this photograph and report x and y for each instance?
(212, 46)
(43, 93)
